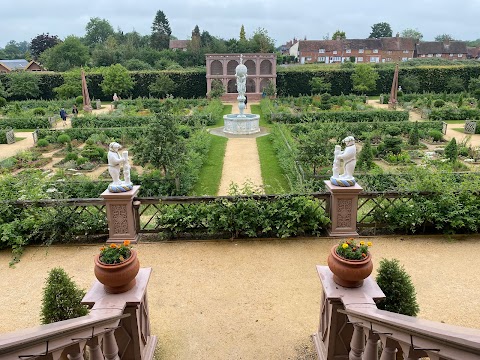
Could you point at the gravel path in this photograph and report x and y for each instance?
(248, 299)
(241, 163)
(8, 150)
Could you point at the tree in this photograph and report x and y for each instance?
(261, 42)
(243, 37)
(42, 42)
(72, 85)
(319, 85)
(15, 50)
(414, 136)
(412, 33)
(136, 64)
(61, 298)
(315, 150)
(365, 158)
(444, 37)
(163, 147)
(451, 150)
(116, 79)
(161, 32)
(23, 85)
(380, 30)
(339, 35)
(65, 56)
(217, 89)
(364, 78)
(455, 84)
(98, 30)
(396, 284)
(162, 86)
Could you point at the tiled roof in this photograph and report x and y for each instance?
(315, 45)
(398, 43)
(16, 64)
(369, 44)
(439, 47)
(473, 52)
(178, 44)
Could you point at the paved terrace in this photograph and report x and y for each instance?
(248, 299)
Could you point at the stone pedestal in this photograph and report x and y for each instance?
(133, 335)
(332, 340)
(343, 209)
(121, 220)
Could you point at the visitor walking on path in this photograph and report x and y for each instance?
(63, 115)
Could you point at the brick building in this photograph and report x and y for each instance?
(7, 66)
(452, 50)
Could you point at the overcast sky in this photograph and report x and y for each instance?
(283, 19)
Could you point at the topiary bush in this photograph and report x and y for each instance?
(39, 112)
(42, 143)
(79, 100)
(3, 102)
(396, 284)
(61, 298)
(63, 139)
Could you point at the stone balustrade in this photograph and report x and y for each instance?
(352, 327)
(117, 328)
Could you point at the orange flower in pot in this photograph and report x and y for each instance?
(116, 267)
(350, 263)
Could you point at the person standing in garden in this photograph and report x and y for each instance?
(63, 115)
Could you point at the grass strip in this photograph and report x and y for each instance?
(274, 179)
(209, 179)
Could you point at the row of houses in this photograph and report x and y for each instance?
(388, 49)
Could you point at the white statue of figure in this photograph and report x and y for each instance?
(126, 167)
(241, 75)
(349, 158)
(115, 161)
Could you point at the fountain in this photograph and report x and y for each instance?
(241, 124)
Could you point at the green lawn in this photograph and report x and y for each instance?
(209, 180)
(273, 177)
(24, 130)
(455, 121)
(462, 130)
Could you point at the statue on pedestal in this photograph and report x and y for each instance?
(349, 158)
(115, 161)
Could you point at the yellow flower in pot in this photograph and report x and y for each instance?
(350, 262)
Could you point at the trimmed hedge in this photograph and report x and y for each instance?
(135, 121)
(25, 123)
(124, 135)
(339, 116)
(294, 81)
(455, 114)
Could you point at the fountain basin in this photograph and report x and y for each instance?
(241, 124)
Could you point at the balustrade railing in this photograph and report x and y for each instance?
(352, 327)
(117, 328)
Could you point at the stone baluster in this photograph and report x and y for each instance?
(110, 347)
(389, 348)
(371, 349)
(357, 344)
(75, 351)
(94, 350)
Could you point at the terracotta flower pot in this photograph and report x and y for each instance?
(118, 278)
(349, 273)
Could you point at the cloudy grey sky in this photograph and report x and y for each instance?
(283, 19)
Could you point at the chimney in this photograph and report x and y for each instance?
(446, 43)
(398, 35)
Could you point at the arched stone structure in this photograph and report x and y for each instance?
(216, 68)
(251, 88)
(261, 68)
(231, 66)
(232, 86)
(251, 68)
(265, 67)
(263, 84)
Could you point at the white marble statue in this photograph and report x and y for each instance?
(115, 161)
(241, 75)
(349, 159)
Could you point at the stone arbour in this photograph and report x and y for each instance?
(261, 68)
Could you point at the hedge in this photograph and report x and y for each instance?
(294, 81)
(455, 114)
(339, 116)
(134, 121)
(124, 135)
(25, 123)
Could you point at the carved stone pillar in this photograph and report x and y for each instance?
(371, 349)
(132, 337)
(110, 347)
(121, 220)
(357, 344)
(94, 350)
(334, 335)
(343, 209)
